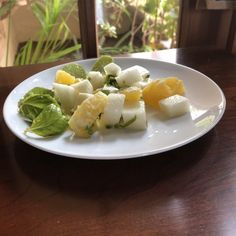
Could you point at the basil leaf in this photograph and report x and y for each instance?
(75, 70)
(51, 121)
(34, 91)
(121, 124)
(32, 105)
(101, 62)
(111, 81)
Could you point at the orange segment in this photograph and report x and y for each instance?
(132, 94)
(160, 89)
(63, 77)
(176, 85)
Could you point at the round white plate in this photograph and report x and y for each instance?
(207, 107)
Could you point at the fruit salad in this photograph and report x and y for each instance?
(107, 97)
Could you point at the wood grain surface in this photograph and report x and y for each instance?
(187, 191)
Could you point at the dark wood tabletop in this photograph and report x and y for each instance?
(187, 191)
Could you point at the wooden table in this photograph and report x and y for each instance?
(187, 191)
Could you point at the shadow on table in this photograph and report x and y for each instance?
(167, 172)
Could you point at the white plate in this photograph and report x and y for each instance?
(208, 105)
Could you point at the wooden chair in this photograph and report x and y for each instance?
(88, 28)
(208, 23)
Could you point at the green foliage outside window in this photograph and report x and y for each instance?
(148, 25)
(53, 36)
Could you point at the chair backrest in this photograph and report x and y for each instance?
(202, 25)
(88, 28)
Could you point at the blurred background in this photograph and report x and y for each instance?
(39, 31)
(44, 31)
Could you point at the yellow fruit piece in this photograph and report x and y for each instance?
(132, 94)
(83, 120)
(63, 77)
(160, 89)
(176, 85)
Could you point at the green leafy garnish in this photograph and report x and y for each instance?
(34, 91)
(107, 92)
(110, 80)
(90, 129)
(76, 70)
(121, 124)
(51, 121)
(32, 105)
(101, 62)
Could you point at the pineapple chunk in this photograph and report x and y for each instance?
(175, 105)
(113, 110)
(83, 120)
(80, 97)
(83, 86)
(112, 69)
(137, 112)
(96, 78)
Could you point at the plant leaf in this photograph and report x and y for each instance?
(34, 91)
(7, 7)
(101, 62)
(76, 70)
(32, 105)
(51, 121)
(61, 53)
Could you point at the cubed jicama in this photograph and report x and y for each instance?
(113, 110)
(109, 89)
(142, 84)
(175, 105)
(66, 96)
(96, 79)
(112, 69)
(143, 71)
(83, 86)
(80, 97)
(137, 112)
(128, 77)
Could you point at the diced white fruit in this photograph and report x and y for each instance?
(66, 96)
(80, 97)
(113, 110)
(143, 71)
(142, 84)
(136, 110)
(175, 105)
(110, 89)
(83, 86)
(128, 77)
(96, 79)
(112, 69)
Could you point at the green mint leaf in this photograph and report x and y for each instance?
(111, 81)
(90, 129)
(51, 121)
(101, 62)
(76, 70)
(121, 124)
